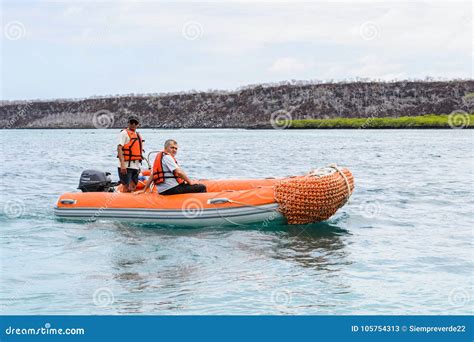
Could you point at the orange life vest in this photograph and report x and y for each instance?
(134, 149)
(158, 174)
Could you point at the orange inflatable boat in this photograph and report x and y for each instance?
(313, 197)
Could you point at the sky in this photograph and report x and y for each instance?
(77, 49)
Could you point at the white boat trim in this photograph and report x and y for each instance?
(195, 218)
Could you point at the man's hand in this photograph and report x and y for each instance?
(139, 192)
(123, 169)
(180, 173)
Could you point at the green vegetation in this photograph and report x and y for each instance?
(454, 120)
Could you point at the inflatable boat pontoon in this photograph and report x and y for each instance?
(293, 200)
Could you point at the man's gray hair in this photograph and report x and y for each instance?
(169, 142)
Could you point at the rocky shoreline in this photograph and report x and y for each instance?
(253, 107)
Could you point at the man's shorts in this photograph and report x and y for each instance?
(130, 176)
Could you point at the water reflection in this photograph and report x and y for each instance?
(158, 269)
(175, 265)
(319, 246)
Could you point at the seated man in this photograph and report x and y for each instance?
(169, 178)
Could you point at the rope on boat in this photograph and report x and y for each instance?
(349, 190)
(252, 205)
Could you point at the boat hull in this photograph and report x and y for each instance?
(245, 216)
(234, 207)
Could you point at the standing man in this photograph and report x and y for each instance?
(129, 153)
(168, 176)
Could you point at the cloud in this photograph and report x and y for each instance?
(238, 26)
(288, 65)
(374, 67)
(139, 46)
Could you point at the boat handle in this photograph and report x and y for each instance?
(67, 201)
(218, 200)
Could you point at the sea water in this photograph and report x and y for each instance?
(403, 244)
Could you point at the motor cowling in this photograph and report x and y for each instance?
(96, 181)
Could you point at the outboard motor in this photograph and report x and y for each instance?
(96, 181)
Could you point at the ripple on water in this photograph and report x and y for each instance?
(402, 245)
